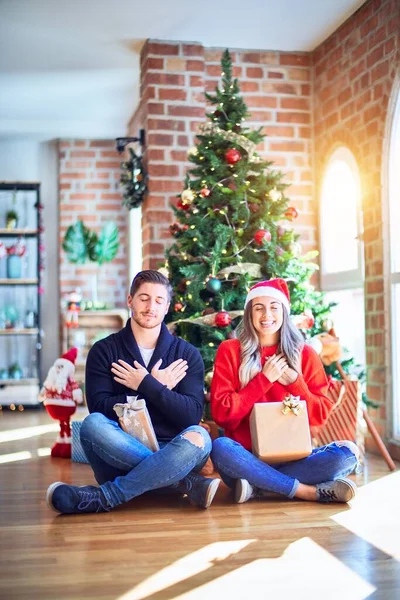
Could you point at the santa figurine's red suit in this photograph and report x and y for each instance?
(60, 395)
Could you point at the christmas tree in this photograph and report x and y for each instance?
(234, 227)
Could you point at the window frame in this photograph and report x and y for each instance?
(354, 278)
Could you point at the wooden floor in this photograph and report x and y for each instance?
(159, 548)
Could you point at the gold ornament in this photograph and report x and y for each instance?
(192, 151)
(240, 140)
(187, 196)
(275, 195)
(164, 271)
(253, 269)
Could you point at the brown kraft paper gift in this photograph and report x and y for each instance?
(280, 431)
(134, 419)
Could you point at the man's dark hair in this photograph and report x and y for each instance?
(150, 276)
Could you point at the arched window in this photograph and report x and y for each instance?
(394, 249)
(342, 268)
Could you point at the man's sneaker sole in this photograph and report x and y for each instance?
(49, 495)
(243, 491)
(212, 490)
(351, 485)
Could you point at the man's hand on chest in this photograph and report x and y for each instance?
(130, 377)
(171, 375)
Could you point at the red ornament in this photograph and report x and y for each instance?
(223, 319)
(232, 156)
(291, 213)
(182, 205)
(178, 306)
(262, 235)
(205, 192)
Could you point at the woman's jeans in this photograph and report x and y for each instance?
(324, 464)
(125, 468)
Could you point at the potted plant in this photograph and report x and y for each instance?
(15, 371)
(11, 219)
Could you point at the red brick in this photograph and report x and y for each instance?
(303, 60)
(110, 164)
(195, 65)
(185, 111)
(165, 125)
(171, 94)
(260, 116)
(155, 154)
(160, 139)
(163, 170)
(75, 164)
(294, 117)
(254, 72)
(165, 79)
(266, 58)
(73, 175)
(183, 140)
(261, 101)
(278, 131)
(102, 144)
(381, 70)
(213, 70)
(295, 103)
(81, 196)
(163, 185)
(83, 153)
(299, 74)
(155, 108)
(375, 56)
(192, 50)
(275, 75)
(196, 81)
(111, 196)
(249, 86)
(284, 88)
(97, 186)
(305, 89)
(162, 49)
(291, 146)
(179, 155)
(390, 45)
(159, 216)
(153, 63)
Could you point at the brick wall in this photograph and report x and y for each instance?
(89, 171)
(354, 73)
(277, 88)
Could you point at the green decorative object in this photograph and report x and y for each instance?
(133, 180)
(15, 371)
(107, 244)
(79, 243)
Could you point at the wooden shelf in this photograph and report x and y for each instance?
(24, 381)
(18, 232)
(19, 281)
(30, 331)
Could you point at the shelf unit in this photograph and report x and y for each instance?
(20, 340)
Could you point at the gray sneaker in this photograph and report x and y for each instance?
(200, 490)
(340, 490)
(244, 491)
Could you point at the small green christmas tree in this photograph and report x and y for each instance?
(233, 229)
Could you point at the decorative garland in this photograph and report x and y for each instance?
(240, 140)
(134, 180)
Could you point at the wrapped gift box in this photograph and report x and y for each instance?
(280, 431)
(134, 418)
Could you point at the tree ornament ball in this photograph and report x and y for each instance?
(291, 213)
(188, 196)
(262, 235)
(205, 192)
(223, 319)
(178, 306)
(208, 311)
(182, 205)
(254, 207)
(232, 156)
(213, 285)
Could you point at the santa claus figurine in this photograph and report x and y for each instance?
(60, 395)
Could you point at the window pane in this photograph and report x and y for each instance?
(348, 318)
(394, 193)
(339, 205)
(396, 359)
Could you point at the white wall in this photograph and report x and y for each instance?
(30, 160)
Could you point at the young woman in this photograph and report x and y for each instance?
(268, 361)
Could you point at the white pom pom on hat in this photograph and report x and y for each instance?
(273, 288)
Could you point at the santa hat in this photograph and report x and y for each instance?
(274, 288)
(71, 355)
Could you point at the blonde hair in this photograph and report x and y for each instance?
(290, 344)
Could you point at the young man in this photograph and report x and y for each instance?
(142, 359)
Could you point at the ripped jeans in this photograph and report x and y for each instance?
(125, 468)
(333, 461)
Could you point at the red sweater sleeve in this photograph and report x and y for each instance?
(312, 386)
(230, 404)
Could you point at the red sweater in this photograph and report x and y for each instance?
(231, 405)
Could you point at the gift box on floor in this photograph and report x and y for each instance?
(77, 454)
(280, 431)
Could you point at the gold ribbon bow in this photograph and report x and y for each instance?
(291, 403)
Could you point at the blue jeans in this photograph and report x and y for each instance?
(125, 468)
(324, 464)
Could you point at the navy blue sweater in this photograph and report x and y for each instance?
(171, 411)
